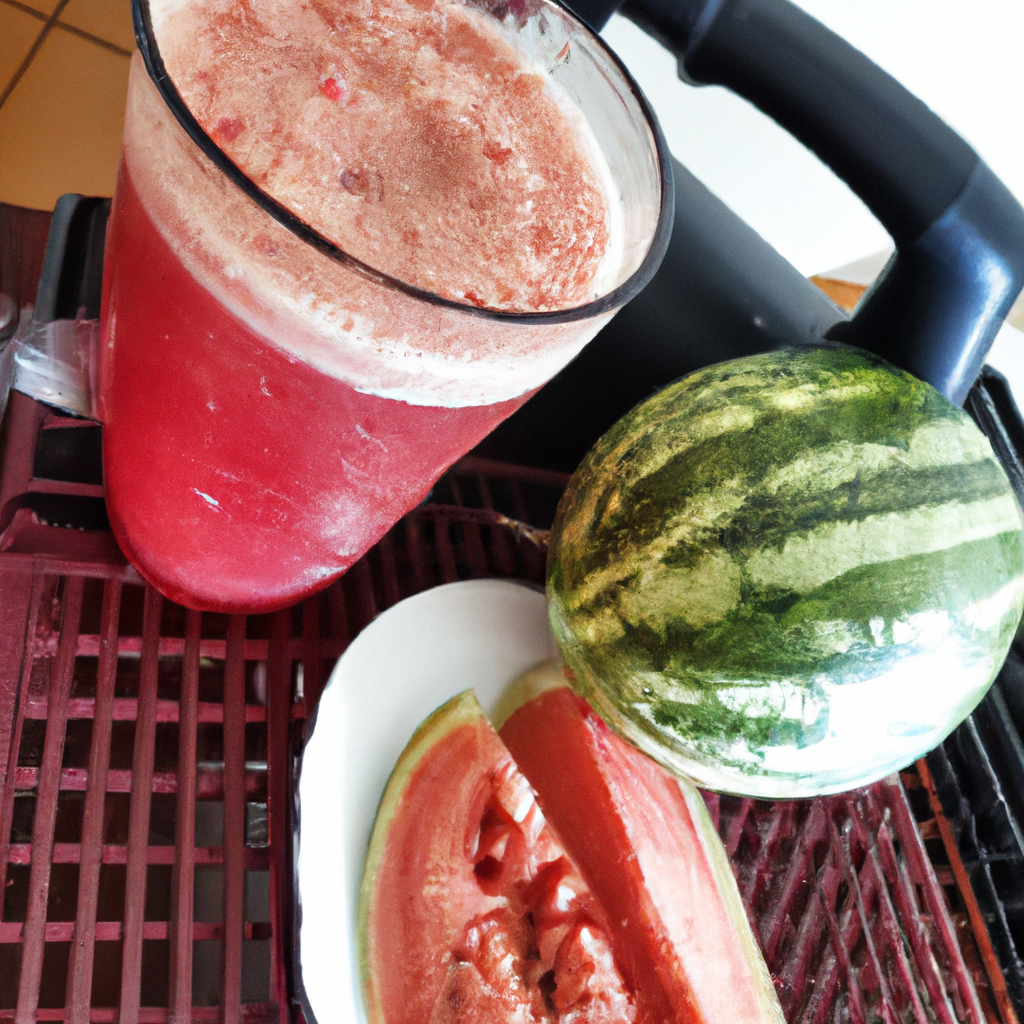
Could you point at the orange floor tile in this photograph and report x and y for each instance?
(61, 117)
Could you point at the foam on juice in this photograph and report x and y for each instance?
(415, 136)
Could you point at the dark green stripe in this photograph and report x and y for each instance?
(773, 635)
(888, 415)
(768, 521)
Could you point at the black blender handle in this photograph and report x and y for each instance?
(722, 292)
(959, 233)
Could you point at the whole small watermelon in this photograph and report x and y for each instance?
(788, 574)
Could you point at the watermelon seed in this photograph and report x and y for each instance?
(546, 984)
(488, 869)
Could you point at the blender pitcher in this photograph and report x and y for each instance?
(273, 401)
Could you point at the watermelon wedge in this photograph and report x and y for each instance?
(474, 909)
(645, 843)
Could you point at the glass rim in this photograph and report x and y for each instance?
(610, 301)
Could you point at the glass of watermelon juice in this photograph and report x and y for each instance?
(344, 245)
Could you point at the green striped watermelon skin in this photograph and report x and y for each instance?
(788, 574)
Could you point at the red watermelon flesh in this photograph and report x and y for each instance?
(470, 912)
(646, 846)
(474, 909)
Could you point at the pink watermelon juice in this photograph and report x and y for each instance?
(256, 477)
(269, 412)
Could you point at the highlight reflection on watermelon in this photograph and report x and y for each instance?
(788, 574)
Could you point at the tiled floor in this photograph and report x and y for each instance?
(63, 76)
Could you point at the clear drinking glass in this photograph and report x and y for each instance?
(271, 403)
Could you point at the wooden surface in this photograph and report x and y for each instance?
(842, 293)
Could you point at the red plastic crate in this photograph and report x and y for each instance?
(149, 767)
(147, 758)
(145, 808)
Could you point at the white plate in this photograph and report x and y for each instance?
(479, 634)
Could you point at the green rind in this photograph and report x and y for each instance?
(729, 892)
(463, 709)
(781, 521)
(546, 675)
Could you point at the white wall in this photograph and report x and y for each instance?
(964, 59)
